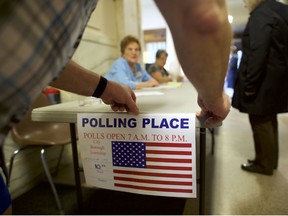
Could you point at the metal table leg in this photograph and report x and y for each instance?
(76, 165)
(202, 171)
(212, 131)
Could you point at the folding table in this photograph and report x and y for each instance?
(154, 100)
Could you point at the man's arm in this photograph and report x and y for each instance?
(202, 37)
(81, 81)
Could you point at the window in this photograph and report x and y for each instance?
(153, 40)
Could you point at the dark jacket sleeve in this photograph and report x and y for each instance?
(260, 34)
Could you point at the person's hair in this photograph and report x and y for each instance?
(127, 40)
(256, 2)
(160, 52)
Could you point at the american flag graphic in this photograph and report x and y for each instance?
(155, 167)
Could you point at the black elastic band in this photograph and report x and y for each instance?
(100, 87)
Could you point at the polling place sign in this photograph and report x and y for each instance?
(150, 154)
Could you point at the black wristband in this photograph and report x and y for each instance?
(100, 87)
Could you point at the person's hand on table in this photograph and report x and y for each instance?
(215, 111)
(179, 78)
(120, 98)
(152, 83)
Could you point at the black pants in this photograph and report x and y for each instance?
(265, 134)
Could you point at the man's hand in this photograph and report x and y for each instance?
(215, 112)
(120, 98)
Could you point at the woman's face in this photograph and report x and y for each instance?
(161, 61)
(132, 53)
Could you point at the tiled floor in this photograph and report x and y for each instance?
(229, 190)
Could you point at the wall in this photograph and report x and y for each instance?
(100, 45)
(111, 20)
(153, 19)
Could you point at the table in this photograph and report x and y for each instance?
(163, 99)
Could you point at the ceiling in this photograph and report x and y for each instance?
(235, 8)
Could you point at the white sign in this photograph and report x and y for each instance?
(150, 154)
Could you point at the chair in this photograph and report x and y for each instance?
(147, 66)
(41, 135)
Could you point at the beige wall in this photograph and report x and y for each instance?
(109, 23)
(111, 20)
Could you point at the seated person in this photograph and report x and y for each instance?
(127, 70)
(157, 70)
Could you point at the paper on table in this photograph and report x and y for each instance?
(148, 93)
(175, 84)
(169, 85)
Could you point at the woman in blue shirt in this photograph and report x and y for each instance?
(127, 70)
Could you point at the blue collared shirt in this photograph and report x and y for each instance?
(120, 72)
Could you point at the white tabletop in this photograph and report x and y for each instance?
(163, 99)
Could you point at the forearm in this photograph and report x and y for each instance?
(77, 79)
(209, 65)
(161, 79)
(150, 83)
(202, 37)
(141, 85)
(164, 79)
